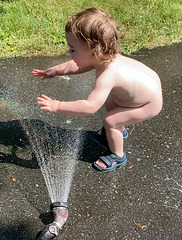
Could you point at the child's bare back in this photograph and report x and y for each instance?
(133, 83)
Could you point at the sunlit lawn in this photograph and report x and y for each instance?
(36, 27)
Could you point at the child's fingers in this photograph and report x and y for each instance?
(45, 101)
(42, 101)
(37, 73)
(45, 108)
(46, 97)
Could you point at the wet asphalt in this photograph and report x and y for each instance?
(143, 200)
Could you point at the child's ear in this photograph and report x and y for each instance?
(95, 53)
(92, 51)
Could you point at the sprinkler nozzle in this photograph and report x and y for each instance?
(60, 214)
(58, 204)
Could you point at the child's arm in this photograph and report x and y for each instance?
(80, 107)
(67, 68)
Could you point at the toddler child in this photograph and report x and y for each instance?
(130, 91)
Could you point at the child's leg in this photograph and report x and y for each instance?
(116, 119)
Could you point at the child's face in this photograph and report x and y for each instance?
(79, 51)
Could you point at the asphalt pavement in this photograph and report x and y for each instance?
(143, 200)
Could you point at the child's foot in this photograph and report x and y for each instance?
(110, 162)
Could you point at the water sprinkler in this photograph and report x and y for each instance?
(60, 214)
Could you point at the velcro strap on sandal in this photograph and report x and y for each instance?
(108, 160)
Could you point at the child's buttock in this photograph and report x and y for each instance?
(138, 101)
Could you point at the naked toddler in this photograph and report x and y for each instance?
(130, 91)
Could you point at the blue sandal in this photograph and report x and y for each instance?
(109, 160)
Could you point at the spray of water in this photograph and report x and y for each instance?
(56, 150)
(57, 154)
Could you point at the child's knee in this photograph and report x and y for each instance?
(110, 122)
(156, 109)
(107, 122)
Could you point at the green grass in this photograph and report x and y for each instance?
(36, 27)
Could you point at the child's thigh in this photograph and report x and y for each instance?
(126, 116)
(110, 104)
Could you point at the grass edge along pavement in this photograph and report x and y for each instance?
(30, 28)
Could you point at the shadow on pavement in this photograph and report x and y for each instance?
(18, 151)
(20, 232)
(140, 201)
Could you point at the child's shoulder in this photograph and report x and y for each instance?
(126, 67)
(125, 62)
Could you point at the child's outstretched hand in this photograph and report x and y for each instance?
(48, 104)
(49, 73)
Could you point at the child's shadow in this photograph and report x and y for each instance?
(15, 138)
(14, 146)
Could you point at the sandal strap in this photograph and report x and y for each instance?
(110, 159)
(107, 160)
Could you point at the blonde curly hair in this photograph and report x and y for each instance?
(98, 30)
